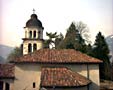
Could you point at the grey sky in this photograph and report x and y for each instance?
(56, 15)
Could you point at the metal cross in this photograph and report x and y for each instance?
(33, 11)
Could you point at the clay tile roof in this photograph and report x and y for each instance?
(62, 77)
(6, 70)
(57, 56)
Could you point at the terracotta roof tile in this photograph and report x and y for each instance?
(57, 56)
(6, 70)
(62, 77)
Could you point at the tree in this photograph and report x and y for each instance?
(89, 50)
(51, 40)
(58, 40)
(17, 52)
(83, 31)
(101, 51)
(73, 39)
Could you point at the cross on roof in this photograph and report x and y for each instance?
(33, 11)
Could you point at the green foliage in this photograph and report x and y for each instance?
(58, 40)
(46, 43)
(101, 52)
(17, 52)
(89, 50)
(51, 39)
(51, 35)
(73, 39)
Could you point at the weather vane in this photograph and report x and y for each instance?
(33, 11)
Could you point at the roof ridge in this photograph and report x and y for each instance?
(58, 56)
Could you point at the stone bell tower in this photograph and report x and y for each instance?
(33, 39)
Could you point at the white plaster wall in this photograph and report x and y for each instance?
(94, 76)
(93, 73)
(79, 68)
(27, 30)
(25, 45)
(25, 75)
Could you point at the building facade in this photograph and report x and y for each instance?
(48, 69)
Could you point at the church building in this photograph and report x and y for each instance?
(48, 69)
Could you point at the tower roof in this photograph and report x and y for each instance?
(34, 22)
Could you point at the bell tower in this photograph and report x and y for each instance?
(33, 39)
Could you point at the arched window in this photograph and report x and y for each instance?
(29, 48)
(7, 86)
(30, 34)
(34, 47)
(34, 34)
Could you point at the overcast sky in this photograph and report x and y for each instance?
(55, 15)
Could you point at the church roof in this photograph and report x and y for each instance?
(6, 70)
(57, 56)
(34, 22)
(62, 77)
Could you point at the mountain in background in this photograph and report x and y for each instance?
(109, 41)
(4, 52)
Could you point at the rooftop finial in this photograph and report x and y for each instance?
(33, 11)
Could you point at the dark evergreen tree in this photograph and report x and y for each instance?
(58, 40)
(73, 39)
(89, 50)
(101, 51)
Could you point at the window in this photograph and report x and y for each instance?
(34, 47)
(7, 86)
(29, 48)
(34, 85)
(1, 85)
(34, 34)
(30, 34)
